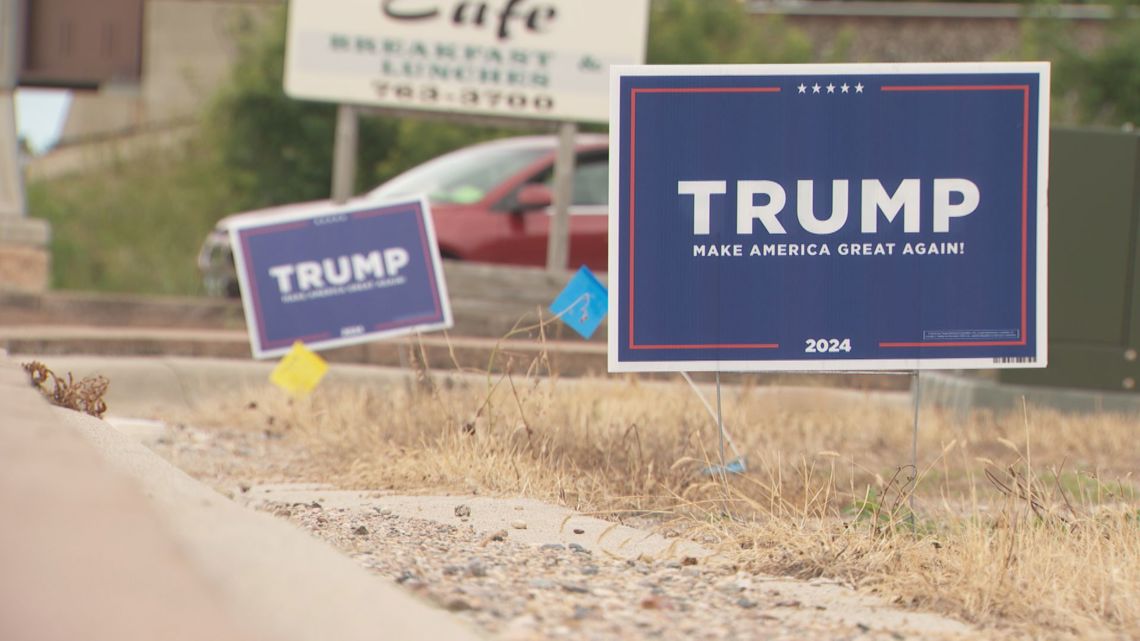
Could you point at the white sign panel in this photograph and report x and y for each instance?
(545, 59)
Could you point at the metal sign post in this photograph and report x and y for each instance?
(24, 241)
(11, 182)
(558, 239)
(344, 154)
(916, 385)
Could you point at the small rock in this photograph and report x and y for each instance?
(457, 605)
(552, 546)
(745, 603)
(574, 547)
(406, 576)
(581, 612)
(689, 560)
(590, 570)
(361, 531)
(790, 603)
(656, 602)
(316, 506)
(462, 511)
(518, 525)
(730, 587)
(576, 588)
(477, 569)
(451, 570)
(541, 584)
(244, 487)
(673, 565)
(579, 530)
(501, 535)
(383, 511)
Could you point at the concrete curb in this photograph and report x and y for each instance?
(168, 558)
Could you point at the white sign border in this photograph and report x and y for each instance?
(617, 72)
(251, 321)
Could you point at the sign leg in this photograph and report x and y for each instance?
(720, 422)
(738, 464)
(916, 392)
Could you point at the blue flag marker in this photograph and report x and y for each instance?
(583, 303)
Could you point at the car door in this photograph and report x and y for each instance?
(528, 237)
(589, 214)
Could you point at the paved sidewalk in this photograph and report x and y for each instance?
(102, 539)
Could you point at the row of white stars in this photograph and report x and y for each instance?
(830, 87)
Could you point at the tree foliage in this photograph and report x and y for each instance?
(720, 31)
(1107, 80)
(1091, 85)
(274, 149)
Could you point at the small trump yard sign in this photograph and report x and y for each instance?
(339, 276)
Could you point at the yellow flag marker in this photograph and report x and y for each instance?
(300, 371)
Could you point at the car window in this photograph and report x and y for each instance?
(461, 178)
(591, 181)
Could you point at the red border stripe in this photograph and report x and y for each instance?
(1024, 214)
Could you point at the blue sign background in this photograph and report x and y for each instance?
(674, 307)
(357, 312)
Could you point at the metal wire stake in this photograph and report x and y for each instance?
(712, 414)
(916, 384)
(720, 430)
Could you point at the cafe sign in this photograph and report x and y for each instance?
(545, 59)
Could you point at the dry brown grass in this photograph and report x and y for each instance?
(1027, 524)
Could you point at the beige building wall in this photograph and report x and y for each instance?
(188, 49)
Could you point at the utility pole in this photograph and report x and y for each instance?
(344, 153)
(23, 241)
(558, 240)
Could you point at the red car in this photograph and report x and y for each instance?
(491, 202)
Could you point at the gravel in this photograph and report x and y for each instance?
(513, 590)
(552, 591)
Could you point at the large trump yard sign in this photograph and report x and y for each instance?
(828, 217)
(337, 277)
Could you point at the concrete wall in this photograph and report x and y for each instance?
(925, 31)
(189, 47)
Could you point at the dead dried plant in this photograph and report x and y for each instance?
(85, 395)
